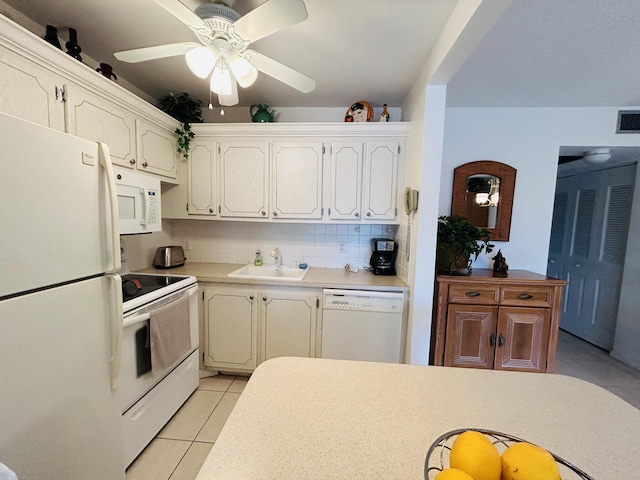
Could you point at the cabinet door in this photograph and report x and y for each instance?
(288, 324)
(523, 339)
(244, 179)
(30, 92)
(296, 180)
(346, 181)
(470, 337)
(230, 328)
(201, 196)
(380, 180)
(99, 120)
(156, 149)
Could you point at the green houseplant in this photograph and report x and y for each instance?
(458, 241)
(186, 110)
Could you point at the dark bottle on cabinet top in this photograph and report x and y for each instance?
(51, 36)
(73, 48)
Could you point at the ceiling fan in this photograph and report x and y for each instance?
(224, 36)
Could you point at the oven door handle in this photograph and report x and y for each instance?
(134, 319)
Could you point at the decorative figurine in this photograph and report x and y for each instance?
(384, 115)
(500, 265)
(52, 36)
(260, 113)
(73, 48)
(107, 71)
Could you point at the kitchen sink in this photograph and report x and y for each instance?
(270, 272)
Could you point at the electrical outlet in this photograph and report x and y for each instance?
(187, 244)
(342, 247)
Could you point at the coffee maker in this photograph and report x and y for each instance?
(383, 258)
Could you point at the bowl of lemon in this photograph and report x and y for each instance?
(478, 454)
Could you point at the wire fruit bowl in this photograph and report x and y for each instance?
(437, 458)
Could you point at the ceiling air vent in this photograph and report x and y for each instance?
(628, 121)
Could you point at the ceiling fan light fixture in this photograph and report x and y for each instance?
(200, 61)
(597, 155)
(245, 73)
(221, 81)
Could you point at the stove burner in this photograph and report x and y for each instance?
(136, 285)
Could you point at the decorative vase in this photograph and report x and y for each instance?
(107, 71)
(73, 48)
(51, 36)
(260, 113)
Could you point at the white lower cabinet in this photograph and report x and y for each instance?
(244, 326)
(230, 328)
(288, 323)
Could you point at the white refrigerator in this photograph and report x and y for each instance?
(60, 306)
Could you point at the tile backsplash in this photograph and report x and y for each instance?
(319, 245)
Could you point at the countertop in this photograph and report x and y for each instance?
(303, 418)
(316, 277)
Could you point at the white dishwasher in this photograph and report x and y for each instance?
(362, 325)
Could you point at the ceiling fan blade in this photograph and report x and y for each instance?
(230, 100)
(281, 72)
(182, 13)
(268, 18)
(159, 51)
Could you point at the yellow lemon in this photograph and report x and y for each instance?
(524, 461)
(453, 474)
(473, 453)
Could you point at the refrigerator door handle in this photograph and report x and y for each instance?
(117, 327)
(105, 161)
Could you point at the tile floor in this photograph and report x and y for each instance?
(179, 450)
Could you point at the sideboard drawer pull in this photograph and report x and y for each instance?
(525, 296)
(472, 294)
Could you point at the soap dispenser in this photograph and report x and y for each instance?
(258, 259)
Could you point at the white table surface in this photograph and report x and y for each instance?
(323, 419)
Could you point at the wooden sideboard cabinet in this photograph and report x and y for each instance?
(501, 323)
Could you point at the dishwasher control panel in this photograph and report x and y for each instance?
(362, 300)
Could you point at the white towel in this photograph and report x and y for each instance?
(170, 333)
(6, 474)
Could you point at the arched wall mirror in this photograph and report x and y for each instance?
(483, 193)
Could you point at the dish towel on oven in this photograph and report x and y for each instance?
(170, 333)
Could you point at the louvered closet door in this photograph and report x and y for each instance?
(597, 212)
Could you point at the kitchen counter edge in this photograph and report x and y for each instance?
(315, 278)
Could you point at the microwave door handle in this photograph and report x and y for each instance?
(145, 207)
(105, 161)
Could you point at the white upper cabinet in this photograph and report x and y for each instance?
(29, 91)
(156, 149)
(99, 120)
(201, 180)
(42, 84)
(244, 179)
(380, 180)
(296, 180)
(346, 181)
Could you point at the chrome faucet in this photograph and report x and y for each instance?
(275, 253)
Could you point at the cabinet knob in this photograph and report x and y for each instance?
(525, 296)
(577, 265)
(472, 294)
(552, 261)
(357, 214)
(211, 210)
(275, 214)
(501, 340)
(251, 297)
(368, 214)
(492, 340)
(145, 164)
(263, 213)
(264, 299)
(132, 161)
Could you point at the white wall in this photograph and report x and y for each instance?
(627, 338)
(529, 140)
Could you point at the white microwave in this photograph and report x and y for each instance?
(139, 208)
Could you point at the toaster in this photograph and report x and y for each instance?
(168, 257)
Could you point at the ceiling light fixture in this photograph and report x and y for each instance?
(597, 155)
(490, 199)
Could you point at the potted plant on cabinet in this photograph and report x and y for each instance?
(186, 110)
(458, 240)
